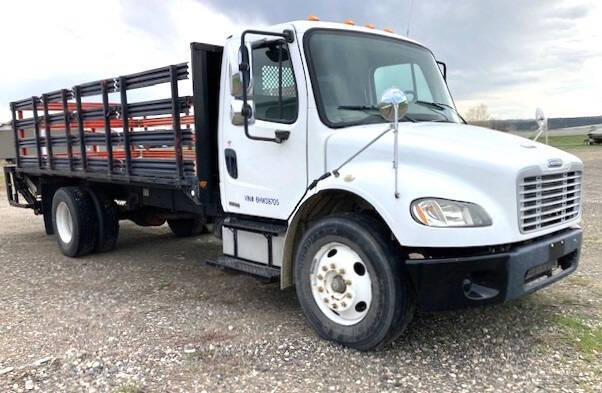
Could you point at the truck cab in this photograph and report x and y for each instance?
(469, 215)
(330, 157)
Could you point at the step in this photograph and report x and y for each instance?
(255, 226)
(241, 265)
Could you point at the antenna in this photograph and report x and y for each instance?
(410, 17)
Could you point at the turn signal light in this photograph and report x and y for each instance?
(313, 18)
(349, 22)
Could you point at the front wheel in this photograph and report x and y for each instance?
(351, 284)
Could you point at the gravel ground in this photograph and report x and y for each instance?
(150, 317)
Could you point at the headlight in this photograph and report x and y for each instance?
(435, 212)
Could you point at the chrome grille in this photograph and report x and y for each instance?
(548, 200)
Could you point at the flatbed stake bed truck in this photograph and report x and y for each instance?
(328, 156)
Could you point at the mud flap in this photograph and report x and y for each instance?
(48, 191)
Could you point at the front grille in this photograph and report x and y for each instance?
(548, 200)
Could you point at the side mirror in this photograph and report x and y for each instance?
(542, 124)
(236, 84)
(540, 118)
(393, 102)
(238, 112)
(245, 109)
(236, 75)
(245, 67)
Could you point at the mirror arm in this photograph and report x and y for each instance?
(244, 67)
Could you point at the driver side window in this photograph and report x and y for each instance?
(274, 87)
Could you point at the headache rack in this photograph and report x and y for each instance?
(168, 142)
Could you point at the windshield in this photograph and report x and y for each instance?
(351, 70)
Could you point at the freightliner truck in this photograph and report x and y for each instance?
(328, 156)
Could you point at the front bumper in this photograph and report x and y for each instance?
(451, 283)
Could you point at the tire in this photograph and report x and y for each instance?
(107, 217)
(187, 227)
(389, 304)
(74, 221)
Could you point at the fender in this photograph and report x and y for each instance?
(286, 276)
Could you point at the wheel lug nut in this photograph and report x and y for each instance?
(325, 300)
(334, 305)
(348, 296)
(319, 277)
(320, 289)
(342, 271)
(332, 266)
(343, 304)
(347, 282)
(324, 268)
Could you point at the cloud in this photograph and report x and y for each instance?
(507, 54)
(512, 55)
(63, 43)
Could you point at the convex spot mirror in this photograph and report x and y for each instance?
(238, 112)
(393, 101)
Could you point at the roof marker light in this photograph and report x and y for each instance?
(388, 30)
(369, 25)
(313, 18)
(349, 22)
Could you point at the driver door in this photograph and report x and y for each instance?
(265, 178)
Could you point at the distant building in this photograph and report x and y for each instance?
(7, 142)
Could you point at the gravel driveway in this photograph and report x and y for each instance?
(151, 317)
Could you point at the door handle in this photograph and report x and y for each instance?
(231, 164)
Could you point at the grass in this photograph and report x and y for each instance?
(579, 281)
(584, 337)
(568, 141)
(128, 388)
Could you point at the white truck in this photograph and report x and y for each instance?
(328, 156)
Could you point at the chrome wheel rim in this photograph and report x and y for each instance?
(64, 222)
(340, 284)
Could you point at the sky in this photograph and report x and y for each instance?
(512, 55)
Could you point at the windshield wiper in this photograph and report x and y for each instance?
(441, 106)
(358, 107)
(435, 105)
(367, 108)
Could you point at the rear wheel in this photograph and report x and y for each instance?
(187, 227)
(351, 283)
(74, 221)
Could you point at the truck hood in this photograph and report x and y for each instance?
(444, 160)
(429, 143)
